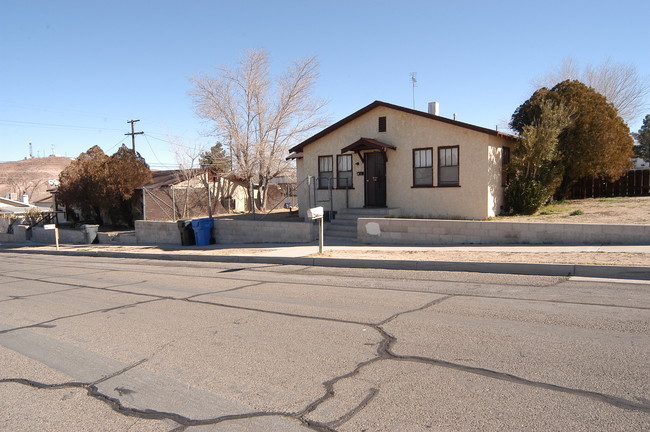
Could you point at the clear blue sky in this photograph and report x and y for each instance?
(73, 72)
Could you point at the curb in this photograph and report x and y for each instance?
(530, 269)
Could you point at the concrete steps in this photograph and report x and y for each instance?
(343, 228)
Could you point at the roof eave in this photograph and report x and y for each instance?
(298, 148)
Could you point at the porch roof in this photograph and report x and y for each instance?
(367, 144)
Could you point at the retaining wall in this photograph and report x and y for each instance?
(20, 235)
(157, 232)
(230, 231)
(447, 232)
(66, 236)
(122, 238)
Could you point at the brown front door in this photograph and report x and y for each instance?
(375, 189)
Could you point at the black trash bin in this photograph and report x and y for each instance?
(187, 233)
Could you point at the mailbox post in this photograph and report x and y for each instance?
(56, 233)
(313, 214)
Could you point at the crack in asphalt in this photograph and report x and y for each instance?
(347, 416)
(313, 272)
(150, 414)
(257, 283)
(119, 372)
(601, 397)
(110, 288)
(23, 297)
(423, 307)
(221, 275)
(46, 324)
(223, 291)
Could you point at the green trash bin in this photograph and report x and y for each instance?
(202, 231)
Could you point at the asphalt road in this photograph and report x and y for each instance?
(143, 345)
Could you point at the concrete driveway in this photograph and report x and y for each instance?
(138, 345)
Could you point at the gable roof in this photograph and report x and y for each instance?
(376, 104)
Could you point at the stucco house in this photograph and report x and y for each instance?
(419, 163)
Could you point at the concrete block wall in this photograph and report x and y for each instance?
(66, 236)
(5, 223)
(447, 232)
(157, 232)
(230, 231)
(20, 235)
(123, 238)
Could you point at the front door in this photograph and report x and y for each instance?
(375, 168)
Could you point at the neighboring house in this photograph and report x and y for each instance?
(11, 206)
(175, 194)
(640, 163)
(425, 165)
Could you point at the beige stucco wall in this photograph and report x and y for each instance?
(495, 190)
(480, 192)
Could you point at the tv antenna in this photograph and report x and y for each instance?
(414, 82)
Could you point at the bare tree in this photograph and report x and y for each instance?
(260, 118)
(26, 182)
(189, 171)
(620, 83)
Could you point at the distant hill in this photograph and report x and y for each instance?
(31, 175)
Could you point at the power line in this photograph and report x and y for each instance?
(151, 148)
(115, 145)
(53, 125)
(159, 139)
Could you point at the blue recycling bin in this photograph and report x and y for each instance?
(202, 230)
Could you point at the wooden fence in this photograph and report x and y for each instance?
(634, 183)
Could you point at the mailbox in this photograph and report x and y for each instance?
(315, 213)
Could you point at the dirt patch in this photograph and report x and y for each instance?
(610, 211)
(589, 258)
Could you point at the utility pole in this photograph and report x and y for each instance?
(133, 134)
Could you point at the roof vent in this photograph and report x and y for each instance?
(434, 108)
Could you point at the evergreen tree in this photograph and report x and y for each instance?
(597, 143)
(215, 158)
(535, 169)
(642, 150)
